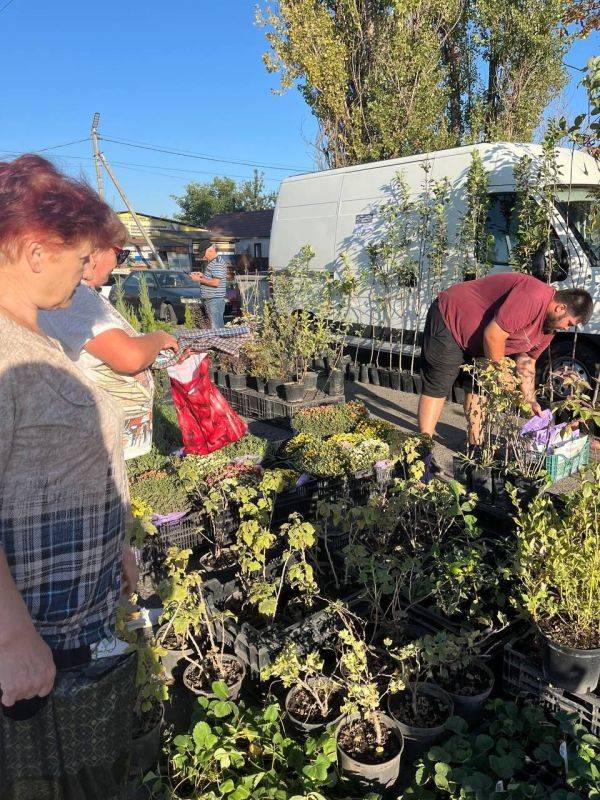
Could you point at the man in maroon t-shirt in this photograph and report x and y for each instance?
(508, 314)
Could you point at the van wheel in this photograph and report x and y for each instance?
(585, 362)
(167, 314)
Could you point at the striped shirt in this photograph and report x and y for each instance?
(217, 268)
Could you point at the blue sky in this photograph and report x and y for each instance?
(185, 75)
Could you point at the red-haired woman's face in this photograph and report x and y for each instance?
(56, 272)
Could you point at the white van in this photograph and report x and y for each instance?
(337, 210)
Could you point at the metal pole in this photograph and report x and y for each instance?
(136, 219)
(94, 137)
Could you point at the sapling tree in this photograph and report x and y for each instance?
(535, 182)
(474, 241)
(558, 564)
(362, 692)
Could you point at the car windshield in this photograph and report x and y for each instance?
(176, 280)
(581, 210)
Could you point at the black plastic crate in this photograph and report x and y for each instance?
(522, 675)
(253, 404)
(258, 647)
(185, 533)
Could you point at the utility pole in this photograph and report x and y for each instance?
(125, 199)
(94, 137)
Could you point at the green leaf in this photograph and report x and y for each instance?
(457, 725)
(220, 690)
(241, 793)
(483, 743)
(221, 709)
(227, 787)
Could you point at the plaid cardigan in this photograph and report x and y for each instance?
(63, 491)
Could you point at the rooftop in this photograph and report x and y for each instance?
(242, 224)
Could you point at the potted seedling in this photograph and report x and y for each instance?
(313, 700)
(151, 692)
(213, 665)
(421, 709)
(369, 742)
(558, 567)
(235, 370)
(178, 614)
(454, 665)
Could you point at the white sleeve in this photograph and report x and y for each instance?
(86, 317)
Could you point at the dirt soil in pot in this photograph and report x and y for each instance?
(173, 641)
(304, 706)
(467, 683)
(145, 721)
(358, 740)
(567, 635)
(230, 673)
(225, 559)
(431, 711)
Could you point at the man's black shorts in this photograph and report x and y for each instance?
(441, 357)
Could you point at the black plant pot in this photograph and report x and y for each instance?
(363, 373)
(482, 482)
(407, 382)
(458, 394)
(395, 380)
(374, 374)
(213, 373)
(221, 377)
(294, 392)
(236, 381)
(273, 385)
(470, 707)
(527, 488)
(335, 383)
(569, 668)
(418, 382)
(259, 384)
(319, 363)
(145, 746)
(353, 373)
(461, 472)
(384, 377)
(310, 381)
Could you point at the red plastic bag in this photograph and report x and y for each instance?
(206, 419)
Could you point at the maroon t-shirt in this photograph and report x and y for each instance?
(516, 302)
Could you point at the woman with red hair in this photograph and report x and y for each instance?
(63, 500)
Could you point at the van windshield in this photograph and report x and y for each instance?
(581, 211)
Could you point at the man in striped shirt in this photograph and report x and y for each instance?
(214, 285)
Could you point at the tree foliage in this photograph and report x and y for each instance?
(388, 78)
(202, 201)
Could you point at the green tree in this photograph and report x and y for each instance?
(202, 201)
(388, 78)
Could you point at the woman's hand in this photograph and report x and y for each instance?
(26, 666)
(169, 342)
(129, 572)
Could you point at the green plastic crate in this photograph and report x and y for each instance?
(559, 466)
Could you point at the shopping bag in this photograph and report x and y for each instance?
(206, 419)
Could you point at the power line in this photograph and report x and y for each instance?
(6, 5)
(148, 167)
(201, 157)
(58, 146)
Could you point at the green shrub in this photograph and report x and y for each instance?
(163, 493)
(328, 420)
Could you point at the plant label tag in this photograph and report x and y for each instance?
(500, 786)
(564, 755)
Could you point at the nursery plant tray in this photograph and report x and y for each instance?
(522, 676)
(257, 647)
(255, 405)
(185, 533)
